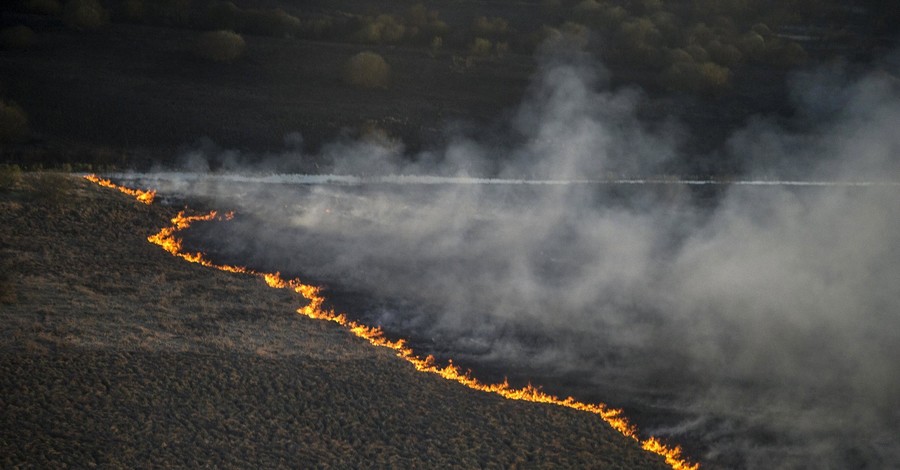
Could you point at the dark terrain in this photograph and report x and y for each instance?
(116, 354)
(134, 94)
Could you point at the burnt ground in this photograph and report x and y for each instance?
(114, 353)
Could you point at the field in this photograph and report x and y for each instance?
(685, 209)
(116, 354)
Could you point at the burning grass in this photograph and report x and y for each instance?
(117, 354)
(315, 309)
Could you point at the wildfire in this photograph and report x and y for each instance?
(144, 196)
(315, 309)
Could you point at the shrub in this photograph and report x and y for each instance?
(436, 44)
(786, 54)
(85, 14)
(714, 77)
(13, 123)
(423, 23)
(44, 7)
(725, 54)
(367, 70)
(381, 29)
(698, 53)
(484, 26)
(480, 47)
(220, 46)
(578, 34)
(277, 22)
(752, 45)
(17, 37)
(10, 176)
(688, 75)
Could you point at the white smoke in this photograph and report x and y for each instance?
(765, 318)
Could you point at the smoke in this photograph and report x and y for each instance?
(761, 320)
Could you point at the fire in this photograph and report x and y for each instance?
(144, 196)
(316, 309)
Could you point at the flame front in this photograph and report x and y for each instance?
(315, 309)
(144, 196)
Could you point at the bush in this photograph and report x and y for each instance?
(421, 22)
(44, 7)
(220, 46)
(688, 75)
(277, 23)
(85, 14)
(17, 37)
(480, 47)
(724, 54)
(13, 123)
(10, 176)
(381, 29)
(492, 27)
(786, 55)
(367, 70)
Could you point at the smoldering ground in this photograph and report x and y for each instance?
(763, 321)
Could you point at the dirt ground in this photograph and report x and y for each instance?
(114, 353)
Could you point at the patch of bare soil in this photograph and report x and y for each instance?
(114, 353)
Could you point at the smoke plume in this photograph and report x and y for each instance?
(759, 322)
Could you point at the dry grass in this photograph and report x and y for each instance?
(96, 371)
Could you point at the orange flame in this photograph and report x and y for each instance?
(315, 309)
(144, 196)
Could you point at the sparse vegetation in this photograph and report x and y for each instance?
(480, 47)
(54, 188)
(13, 123)
(85, 14)
(220, 46)
(10, 176)
(367, 70)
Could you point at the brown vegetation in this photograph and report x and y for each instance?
(367, 70)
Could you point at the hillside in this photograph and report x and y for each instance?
(116, 354)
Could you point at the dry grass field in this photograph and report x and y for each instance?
(115, 354)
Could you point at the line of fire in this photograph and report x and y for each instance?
(315, 309)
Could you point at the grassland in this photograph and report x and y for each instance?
(113, 353)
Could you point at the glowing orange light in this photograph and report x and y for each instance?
(315, 309)
(144, 196)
